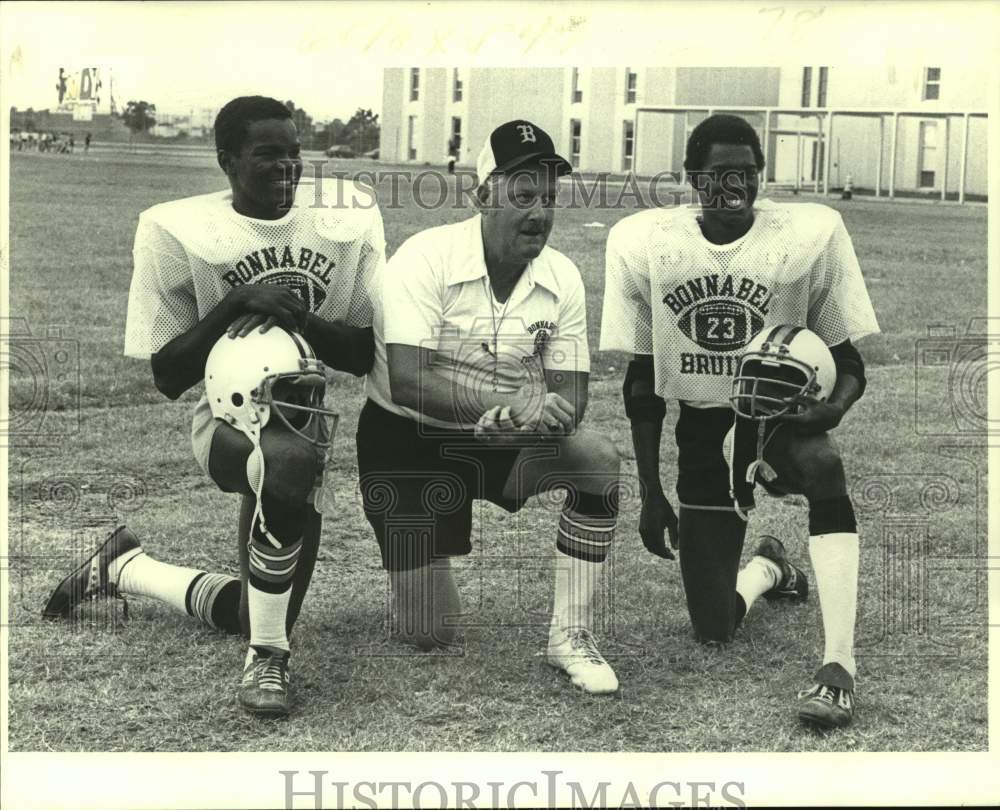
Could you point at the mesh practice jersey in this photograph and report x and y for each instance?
(694, 305)
(190, 253)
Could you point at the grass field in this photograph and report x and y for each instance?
(103, 445)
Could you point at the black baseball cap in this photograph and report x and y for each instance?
(516, 143)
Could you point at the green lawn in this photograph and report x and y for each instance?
(108, 447)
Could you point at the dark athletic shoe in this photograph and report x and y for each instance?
(90, 578)
(829, 703)
(794, 585)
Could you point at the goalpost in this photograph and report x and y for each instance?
(786, 132)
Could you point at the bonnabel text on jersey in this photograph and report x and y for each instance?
(708, 286)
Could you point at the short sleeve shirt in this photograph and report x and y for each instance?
(435, 293)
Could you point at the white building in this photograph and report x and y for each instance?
(600, 118)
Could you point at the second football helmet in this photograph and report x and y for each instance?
(781, 362)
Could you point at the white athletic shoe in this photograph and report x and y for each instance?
(574, 651)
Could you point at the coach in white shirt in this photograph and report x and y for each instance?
(478, 388)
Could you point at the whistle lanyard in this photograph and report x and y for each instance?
(496, 331)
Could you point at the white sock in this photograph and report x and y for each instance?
(140, 575)
(759, 575)
(269, 611)
(576, 583)
(267, 617)
(835, 562)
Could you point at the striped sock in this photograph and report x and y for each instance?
(586, 531)
(269, 591)
(215, 600)
(587, 527)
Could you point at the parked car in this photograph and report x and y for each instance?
(371, 153)
(340, 151)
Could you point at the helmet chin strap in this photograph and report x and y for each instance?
(757, 465)
(255, 473)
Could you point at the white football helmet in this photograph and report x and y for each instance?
(249, 379)
(781, 362)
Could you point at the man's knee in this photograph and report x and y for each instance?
(291, 467)
(593, 458)
(291, 464)
(819, 469)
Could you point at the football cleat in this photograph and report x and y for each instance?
(575, 652)
(90, 579)
(829, 703)
(264, 690)
(794, 585)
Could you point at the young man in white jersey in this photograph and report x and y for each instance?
(477, 392)
(686, 290)
(230, 263)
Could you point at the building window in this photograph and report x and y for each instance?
(574, 142)
(577, 96)
(821, 88)
(456, 86)
(932, 84)
(628, 145)
(631, 78)
(414, 84)
(928, 154)
(807, 75)
(455, 142)
(411, 138)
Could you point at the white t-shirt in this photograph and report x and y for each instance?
(435, 293)
(190, 253)
(694, 305)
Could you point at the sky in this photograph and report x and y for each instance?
(329, 57)
(179, 55)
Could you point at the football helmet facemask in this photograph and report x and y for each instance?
(263, 374)
(778, 363)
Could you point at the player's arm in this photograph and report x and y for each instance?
(627, 325)
(819, 417)
(839, 309)
(645, 411)
(350, 346)
(180, 363)
(340, 346)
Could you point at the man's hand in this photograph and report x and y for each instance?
(264, 306)
(497, 426)
(656, 516)
(544, 413)
(812, 416)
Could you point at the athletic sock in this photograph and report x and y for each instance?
(834, 559)
(141, 575)
(586, 531)
(759, 576)
(215, 600)
(576, 584)
(269, 590)
(212, 598)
